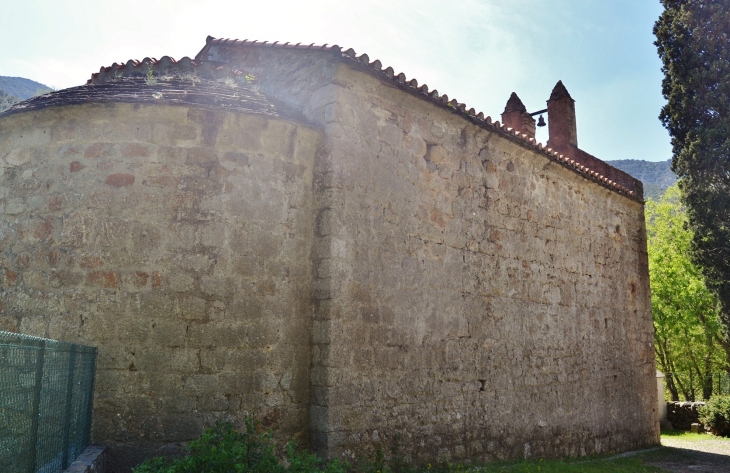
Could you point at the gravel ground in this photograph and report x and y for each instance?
(695, 456)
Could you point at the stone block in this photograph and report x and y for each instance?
(99, 151)
(14, 206)
(189, 307)
(17, 157)
(217, 286)
(277, 138)
(161, 181)
(233, 160)
(78, 229)
(177, 428)
(201, 156)
(212, 234)
(106, 279)
(185, 133)
(91, 460)
(249, 136)
(119, 180)
(135, 150)
(179, 235)
(234, 335)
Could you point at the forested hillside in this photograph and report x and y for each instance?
(6, 100)
(656, 176)
(22, 88)
(16, 89)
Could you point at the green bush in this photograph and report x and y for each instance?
(395, 462)
(222, 449)
(715, 414)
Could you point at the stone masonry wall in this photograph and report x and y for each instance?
(456, 270)
(175, 239)
(474, 272)
(391, 276)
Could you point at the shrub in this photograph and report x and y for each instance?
(222, 449)
(715, 414)
(395, 462)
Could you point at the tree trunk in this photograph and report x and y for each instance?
(707, 379)
(672, 387)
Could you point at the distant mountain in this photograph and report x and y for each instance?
(655, 175)
(22, 88)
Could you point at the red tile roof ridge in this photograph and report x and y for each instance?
(164, 66)
(412, 86)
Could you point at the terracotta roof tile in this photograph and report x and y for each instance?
(166, 66)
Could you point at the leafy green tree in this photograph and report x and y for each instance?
(687, 329)
(6, 101)
(693, 42)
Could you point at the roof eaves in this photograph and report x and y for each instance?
(376, 67)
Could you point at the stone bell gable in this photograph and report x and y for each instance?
(299, 233)
(515, 116)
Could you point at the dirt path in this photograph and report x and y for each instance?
(693, 456)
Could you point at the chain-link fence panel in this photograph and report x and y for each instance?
(46, 392)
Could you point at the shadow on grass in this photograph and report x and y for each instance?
(685, 459)
(597, 465)
(604, 464)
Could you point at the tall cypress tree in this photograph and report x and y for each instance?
(693, 41)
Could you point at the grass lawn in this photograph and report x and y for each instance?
(678, 449)
(597, 465)
(669, 435)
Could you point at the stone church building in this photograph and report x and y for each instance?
(297, 233)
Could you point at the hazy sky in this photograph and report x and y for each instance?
(477, 51)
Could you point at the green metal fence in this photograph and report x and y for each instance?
(46, 391)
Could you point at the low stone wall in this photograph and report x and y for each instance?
(683, 414)
(93, 460)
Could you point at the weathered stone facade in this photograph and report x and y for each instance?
(176, 239)
(367, 265)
